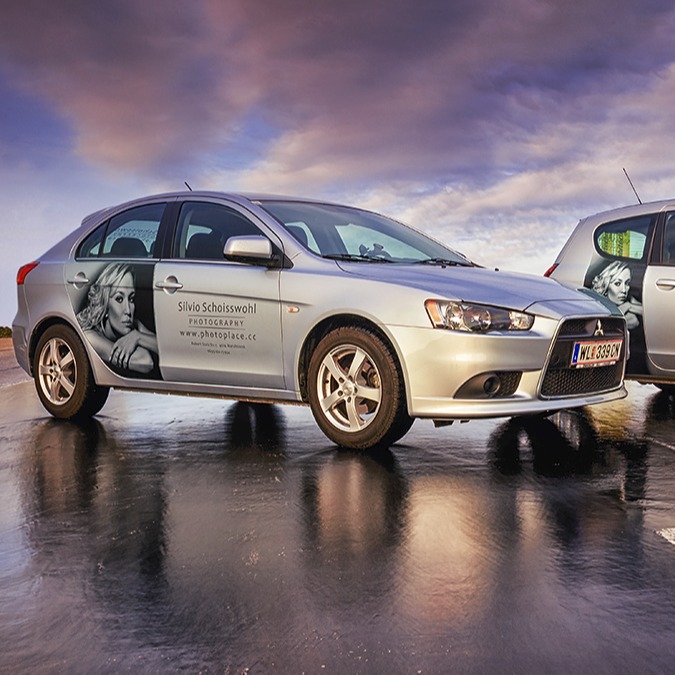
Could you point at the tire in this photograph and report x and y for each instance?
(63, 376)
(356, 390)
(401, 427)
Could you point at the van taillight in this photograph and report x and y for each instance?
(23, 272)
(550, 270)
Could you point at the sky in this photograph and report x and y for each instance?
(494, 125)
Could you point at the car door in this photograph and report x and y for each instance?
(617, 270)
(218, 321)
(110, 287)
(659, 298)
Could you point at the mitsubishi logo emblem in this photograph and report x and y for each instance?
(598, 329)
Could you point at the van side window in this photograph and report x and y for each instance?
(626, 238)
(668, 253)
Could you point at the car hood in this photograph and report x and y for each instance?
(470, 284)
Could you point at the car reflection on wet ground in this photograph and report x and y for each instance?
(183, 534)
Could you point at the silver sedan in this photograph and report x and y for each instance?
(282, 300)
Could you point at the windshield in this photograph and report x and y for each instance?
(345, 233)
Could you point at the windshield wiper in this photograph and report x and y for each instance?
(442, 261)
(356, 257)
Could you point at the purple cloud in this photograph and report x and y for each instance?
(430, 90)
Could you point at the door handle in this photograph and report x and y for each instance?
(79, 280)
(170, 284)
(665, 284)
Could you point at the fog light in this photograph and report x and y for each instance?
(492, 385)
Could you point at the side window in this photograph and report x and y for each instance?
(131, 234)
(668, 253)
(204, 228)
(626, 239)
(91, 246)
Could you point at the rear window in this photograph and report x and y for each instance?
(625, 239)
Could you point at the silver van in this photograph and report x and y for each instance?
(627, 256)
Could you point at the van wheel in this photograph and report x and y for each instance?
(63, 376)
(356, 391)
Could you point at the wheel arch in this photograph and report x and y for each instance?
(321, 329)
(38, 332)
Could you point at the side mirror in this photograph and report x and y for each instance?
(253, 249)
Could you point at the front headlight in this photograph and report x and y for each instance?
(476, 318)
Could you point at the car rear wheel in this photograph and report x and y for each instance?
(63, 377)
(356, 391)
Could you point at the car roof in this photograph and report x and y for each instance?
(242, 198)
(631, 210)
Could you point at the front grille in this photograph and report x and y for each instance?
(574, 381)
(562, 380)
(611, 326)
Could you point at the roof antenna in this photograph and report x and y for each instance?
(631, 184)
(187, 185)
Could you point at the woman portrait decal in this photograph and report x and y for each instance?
(614, 283)
(110, 324)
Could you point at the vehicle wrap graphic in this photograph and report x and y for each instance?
(115, 312)
(621, 283)
(218, 328)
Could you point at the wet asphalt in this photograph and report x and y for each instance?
(190, 535)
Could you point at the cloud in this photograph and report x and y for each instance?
(507, 91)
(134, 80)
(356, 91)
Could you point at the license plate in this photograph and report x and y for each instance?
(600, 353)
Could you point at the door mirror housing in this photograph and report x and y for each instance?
(253, 249)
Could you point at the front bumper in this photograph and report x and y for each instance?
(448, 373)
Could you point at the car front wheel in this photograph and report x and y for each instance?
(356, 391)
(63, 376)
